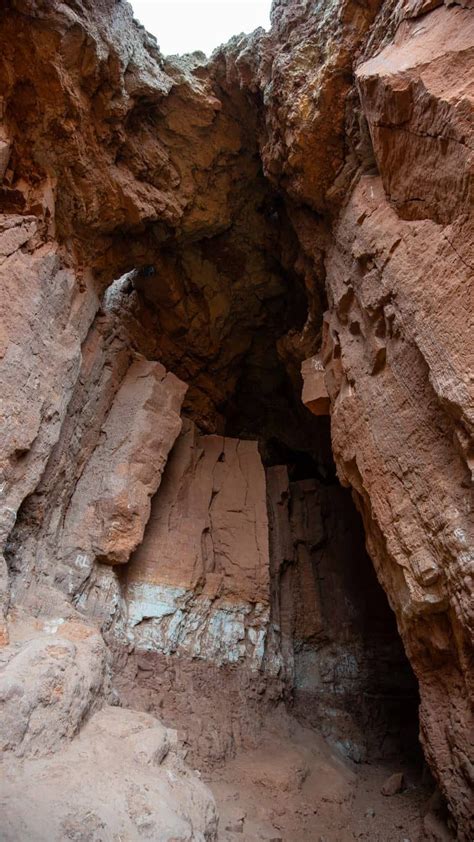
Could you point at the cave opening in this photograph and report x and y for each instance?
(351, 679)
(233, 313)
(172, 499)
(343, 669)
(232, 316)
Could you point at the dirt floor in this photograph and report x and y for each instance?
(294, 788)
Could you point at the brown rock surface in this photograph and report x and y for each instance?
(315, 394)
(419, 541)
(399, 281)
(393, 785)
(401, 394)
(123, 776)
(303, 69)
(44, 319)
(48, 685)
(199, 582)
(110, 506)
(416, 97)
(339, 643)
(325, 165)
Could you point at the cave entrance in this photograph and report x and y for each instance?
(349, 676)
(351, 679)
(317, 634)
(343, 667)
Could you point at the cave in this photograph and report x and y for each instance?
(332, 657)
(236, 451)
(348, 676)
(342, 669)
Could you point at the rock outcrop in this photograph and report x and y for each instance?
(399, 280)
(199, 584)
(182, 243)
(122, 775)
(125, 778)
(50, 683)
(111, 502)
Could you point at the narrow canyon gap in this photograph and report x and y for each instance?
(236, 452)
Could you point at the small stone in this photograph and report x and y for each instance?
(370, 812)
(235, 822)
(235, 827)
(315, 394)
(394, 784)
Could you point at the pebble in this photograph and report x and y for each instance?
(236, 827)
(394, 784)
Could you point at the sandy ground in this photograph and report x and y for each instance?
(294, 788)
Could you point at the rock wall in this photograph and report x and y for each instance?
(121, 772)
(398, 268)
(199, 584)
(418, 541)
(399, 284)
(258, 608)
(176, 238)
(343, 656)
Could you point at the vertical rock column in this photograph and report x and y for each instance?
(108, 512)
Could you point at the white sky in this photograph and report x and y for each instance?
(183, 26)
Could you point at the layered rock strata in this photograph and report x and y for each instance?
(199, 584)
(342, 653)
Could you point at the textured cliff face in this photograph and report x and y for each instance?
(339, 638)
(177, 237)
(211, 514)
(403, 254)
(398, 356)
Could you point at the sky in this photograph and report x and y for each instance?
(183, 26)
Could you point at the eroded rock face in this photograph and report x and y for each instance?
(323, 166)
(123, 774)
(45, 318)
(199, 584)
(49, 685)
(415, 96)
(398, 357)
(111, 502)
(339, 643)
(418, 541)
(398, 270)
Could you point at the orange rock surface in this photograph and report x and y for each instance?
(236, 248)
